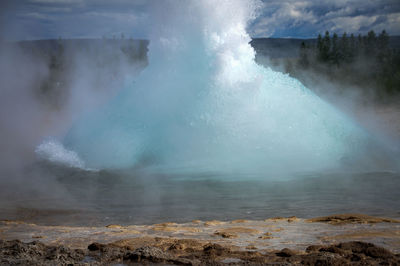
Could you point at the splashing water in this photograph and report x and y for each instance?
(203, 104)
(53, 151)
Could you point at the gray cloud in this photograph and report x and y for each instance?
(41, 19)
(307, 18)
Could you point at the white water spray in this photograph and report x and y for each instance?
(203, 104)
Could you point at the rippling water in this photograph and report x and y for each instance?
(76, 197)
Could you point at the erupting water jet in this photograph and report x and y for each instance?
(203, 104)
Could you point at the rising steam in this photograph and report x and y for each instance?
(203, 104)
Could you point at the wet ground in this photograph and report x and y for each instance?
(55, 195)
(336, 240)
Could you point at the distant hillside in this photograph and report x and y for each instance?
(287, 48)
(108, 60)
(271, 47)
(367, 65)
(135, 49)
(278, 47)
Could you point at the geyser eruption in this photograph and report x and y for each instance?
(203, 104)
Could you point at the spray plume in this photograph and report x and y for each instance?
(203, 104)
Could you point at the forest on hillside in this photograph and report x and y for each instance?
(366, 61)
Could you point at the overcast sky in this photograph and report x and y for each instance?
(44, 19)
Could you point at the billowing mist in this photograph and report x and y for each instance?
(108, 128)
(46, 85)
(203, 104)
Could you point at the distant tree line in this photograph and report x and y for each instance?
(338, 50)
(362, 60)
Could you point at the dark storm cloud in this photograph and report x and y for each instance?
(38, 19)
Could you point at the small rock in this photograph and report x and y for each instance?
(114, 226)
(177, 246)
(313, 248)
(285, 253)
(151, 254)
(95, 246)
(226, 234)
(292, 219)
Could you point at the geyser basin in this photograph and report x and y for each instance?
(203, 104)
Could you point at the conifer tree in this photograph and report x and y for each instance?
(383, 41)
(334, 55)
(352, 46)
(344, 48)
(370, 45)
(304, 61)
(320, 46)
(326, 47)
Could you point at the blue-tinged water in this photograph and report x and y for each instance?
(78, 197)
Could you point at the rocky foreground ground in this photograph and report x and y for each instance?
(334, 240)
(191, 252)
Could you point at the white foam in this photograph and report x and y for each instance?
(52, 150)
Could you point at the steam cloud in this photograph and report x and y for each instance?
(31, 111)
(203, 104)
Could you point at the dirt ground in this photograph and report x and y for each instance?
(345, 239)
